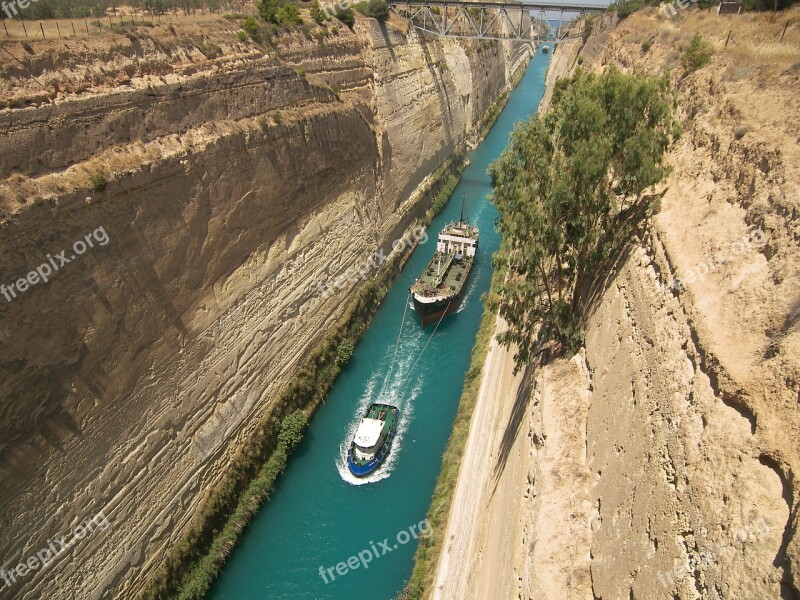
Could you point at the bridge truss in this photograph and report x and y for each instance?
(494, 20)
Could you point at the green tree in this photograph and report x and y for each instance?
(377, 9)
(346, 16)
(345, 352)
(288, 14)
(570, 192)
(292, 428)
(268, 9)
(251, 28)
(279, 12)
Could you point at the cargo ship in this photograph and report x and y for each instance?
(438, 291)
(373, 439)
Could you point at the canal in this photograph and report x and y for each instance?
(319, 515)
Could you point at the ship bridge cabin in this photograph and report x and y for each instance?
(459, 239)
(369, 438)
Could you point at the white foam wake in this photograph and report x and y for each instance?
(389, 391)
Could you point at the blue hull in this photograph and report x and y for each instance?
(364, 470)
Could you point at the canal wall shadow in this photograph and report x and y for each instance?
(441, 92)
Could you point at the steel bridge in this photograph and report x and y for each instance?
(495, 19)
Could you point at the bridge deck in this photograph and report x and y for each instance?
(499, 4)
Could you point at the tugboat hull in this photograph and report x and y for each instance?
(364, 470)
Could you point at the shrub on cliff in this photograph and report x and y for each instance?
(346, 16)
(696, 55)
(317, 13)
(288, 15)
(377, 9)
(345, 352)
(99, 182)
(627, 8)
(251, 28)
(570, 189)
(280, 12)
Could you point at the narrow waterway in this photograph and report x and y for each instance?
(319, 515)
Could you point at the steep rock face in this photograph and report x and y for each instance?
(661, 460)
(219, 195)
(686, 398)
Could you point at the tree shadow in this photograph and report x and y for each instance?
(633, 222)
(387, 40)
(515, 421)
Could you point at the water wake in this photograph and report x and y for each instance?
(391, 391)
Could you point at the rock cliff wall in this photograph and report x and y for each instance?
(661, 461)
(202, 190)
(665, 452)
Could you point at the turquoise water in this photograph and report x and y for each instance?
(319, 515)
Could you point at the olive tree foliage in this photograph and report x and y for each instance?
(570, 189)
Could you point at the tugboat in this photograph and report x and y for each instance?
(545, 49)
(373, 439)
(437, 292)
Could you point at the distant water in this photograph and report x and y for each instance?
(319, 514)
